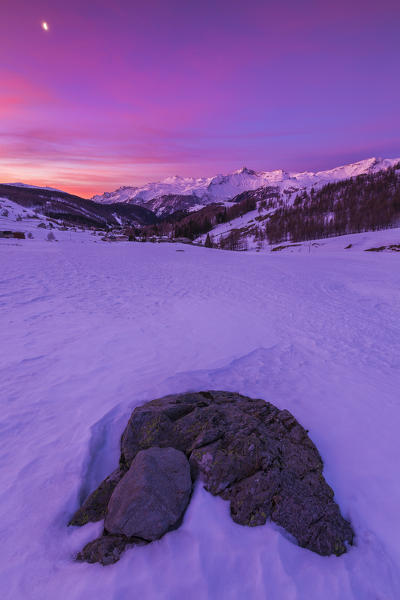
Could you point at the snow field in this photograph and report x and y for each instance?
(88, 331)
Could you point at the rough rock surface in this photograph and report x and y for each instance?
(245, 450)
(95, 506)
(106, 549)
(152, 497)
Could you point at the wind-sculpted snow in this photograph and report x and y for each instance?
(88, 327)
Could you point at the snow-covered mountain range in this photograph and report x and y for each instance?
(171, 193)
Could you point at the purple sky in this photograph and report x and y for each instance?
(121, 92)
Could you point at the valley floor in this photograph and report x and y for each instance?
(90, 330)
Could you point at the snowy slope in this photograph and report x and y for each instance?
(222, 229)
(89, 331)
(225, 187)
(351, 243)
(14, 217)
(358, 241)
(74, 209)
(34, 187)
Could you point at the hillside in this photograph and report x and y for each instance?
(75, 210)
(366, 202)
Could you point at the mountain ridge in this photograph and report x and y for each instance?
(74, 209)
(223, 188)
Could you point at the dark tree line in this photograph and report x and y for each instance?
(192, 225)
(364, 203)
(233, 241)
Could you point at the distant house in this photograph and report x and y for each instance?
(115, 238)
(20, 235)
(183, 240)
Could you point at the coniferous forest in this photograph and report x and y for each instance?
(364, 203)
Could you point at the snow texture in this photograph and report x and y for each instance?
(91, 330)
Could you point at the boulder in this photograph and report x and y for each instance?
(245, 450)
(153, 495)
(95, 506)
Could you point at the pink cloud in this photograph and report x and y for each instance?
(18, 92)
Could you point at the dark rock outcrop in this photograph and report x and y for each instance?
(152, 497)
(247, 451)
